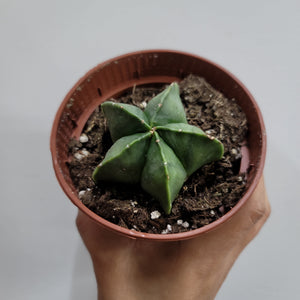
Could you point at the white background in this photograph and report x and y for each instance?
(45, 46)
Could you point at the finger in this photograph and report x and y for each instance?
(231, 238)
(257, 211)
(248, 221)
(100, 241)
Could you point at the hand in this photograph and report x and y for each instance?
(131, 269)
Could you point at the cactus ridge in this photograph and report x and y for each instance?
(155, 147)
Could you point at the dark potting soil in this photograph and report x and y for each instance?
(206, 195)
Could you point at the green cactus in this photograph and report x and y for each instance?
(156, 148)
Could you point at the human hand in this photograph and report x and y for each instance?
(134, 269)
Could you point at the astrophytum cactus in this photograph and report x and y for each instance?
(155, 147)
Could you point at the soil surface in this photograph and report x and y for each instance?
(206, 195)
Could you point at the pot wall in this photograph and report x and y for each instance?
(148, 67)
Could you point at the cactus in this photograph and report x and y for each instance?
(155, 147)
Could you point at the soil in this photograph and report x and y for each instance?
(206, 195)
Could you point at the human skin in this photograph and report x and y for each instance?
(135, 269)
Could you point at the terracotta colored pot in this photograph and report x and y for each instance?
(114, 76)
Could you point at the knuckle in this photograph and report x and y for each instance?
(260, 214)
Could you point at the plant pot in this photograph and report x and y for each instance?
(116, 75)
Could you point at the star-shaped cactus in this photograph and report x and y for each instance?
(155, 147)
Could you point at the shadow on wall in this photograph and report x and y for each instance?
(83, 285)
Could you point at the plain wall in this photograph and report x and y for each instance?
(47, 45)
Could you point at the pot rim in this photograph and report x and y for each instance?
(142, 235)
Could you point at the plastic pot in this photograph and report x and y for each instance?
(114, 76)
